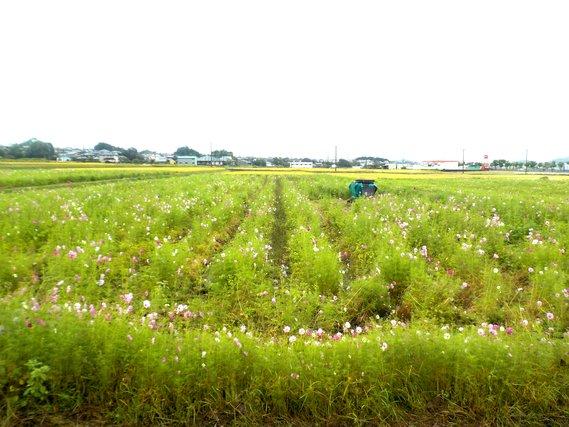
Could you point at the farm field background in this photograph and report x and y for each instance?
(264, 296)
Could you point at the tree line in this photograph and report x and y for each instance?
(531, 164)
(30, 149)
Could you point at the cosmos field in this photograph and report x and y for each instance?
(214, 296)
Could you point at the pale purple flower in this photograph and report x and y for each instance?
(127, 298)
(146, 303)
(550, 316)
(72, 254)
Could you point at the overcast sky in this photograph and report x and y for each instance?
(398, 79)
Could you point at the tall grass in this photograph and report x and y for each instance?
(247, 298)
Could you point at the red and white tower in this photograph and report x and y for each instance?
(485, 163)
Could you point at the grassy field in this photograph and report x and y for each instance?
(25, 174)
(265, 297)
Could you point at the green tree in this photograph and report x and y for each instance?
(186, 151)
(281, 161)
(259, 162)
(132, 154)
(343, 163)
(105, 146)
(221, 153)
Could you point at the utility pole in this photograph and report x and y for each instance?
(463, 160)
(335, 158)
(526, 160)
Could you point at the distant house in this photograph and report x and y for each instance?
(157, 158)
(444, 165)
(187, 160)
(363, 163)
(107, 156)
(214, 161)
(300, 164)
(64, 158)
(112, 158)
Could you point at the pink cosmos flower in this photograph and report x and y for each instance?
(72, 254)
(127, 298)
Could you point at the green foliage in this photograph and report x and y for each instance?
(37, 377)
(221, 153)
(30, 149)
(186, 151)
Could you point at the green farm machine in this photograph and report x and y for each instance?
(362, 187)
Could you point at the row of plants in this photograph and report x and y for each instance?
(114, 372)
(13, 178)
(100, 240)
(462, 258)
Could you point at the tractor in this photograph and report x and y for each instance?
(362, 187)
